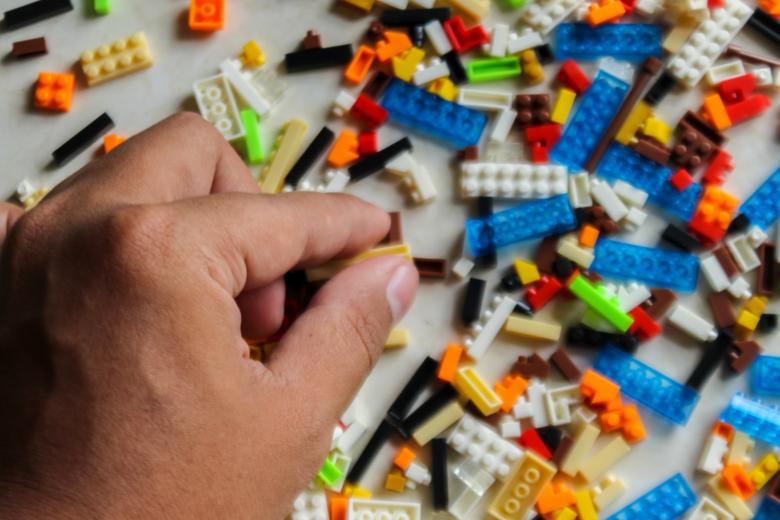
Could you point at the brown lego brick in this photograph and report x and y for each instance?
(722, 312)
(652, 149)
(31, 47)
(661, 300)
(726, 261)
(532, 109)
(431, 267)
(561, 361)
(696, 142)
(596, 216)
(395, 235)
(766, 275)
(773, 490)
(563, 448)
(546, 254)
(376, 85)
(531, 366)
(375, 31)
(743, 355)
(470, 153)
(312, 40)
(750, 57)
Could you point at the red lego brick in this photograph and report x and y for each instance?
(463, 39)
(367, 144)
(644, 326)
(681, 179)
(717, 169)
(540, 154)
(531, 440)
(368, 111)
(712, 4)
(572, 76)
(542, 292)
(750, 107)
(628, 5)
(734, 90)
(546, 135)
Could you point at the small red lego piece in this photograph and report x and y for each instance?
(734, 90)
(572, 76)
(644, 326)
(367, 143)
(712, 4)
(207, 15)
(369, 111)
(751, 107)
(540, 139)
(531, 440)
(628, 5)
(542, 292)
(717, 168)
(463, 39)
(681, 179)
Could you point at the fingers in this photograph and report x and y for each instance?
(334, 344)
(9, 214)
(262, 310)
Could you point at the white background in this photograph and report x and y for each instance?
(182, 57)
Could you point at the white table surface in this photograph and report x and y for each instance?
(137, 101)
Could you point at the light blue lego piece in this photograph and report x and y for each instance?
(621, 163)
(525, 221)
(681, 204)
(667, 501)
(646, 385)
(765, 376)
(598, 107)
(624, 41)
(763, 206)
(769, 510)
(430, 114)
(754, 418)
(652, 266)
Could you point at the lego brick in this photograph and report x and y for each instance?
(54, 91)
(762, 207)
(463, 39)
(218, 106)
(376, 162)
(206, 15)
(769, 509)
(476, 9)
(607, 491)
(493, 69)
(283, 156)
(472, 303)
(367, 110)
(438, 423)
(439, 475)
(472, 386)
(252, 54)
(530, 477)
(486, 447)
(713, 451)
(526, 40)
(563, 105)
(83, 139)
(470, 473)
(765, 376)
(630, 42)
(604, 458)
(375, 443)
(753, 418)
(424, 374)
(486, 330)
(669, 499)
(111, 141)
(692, 324)
(458, 73)
(410, 17)
(597, 301)
(714, 273)
(370, 509)
(312, 59)
(564, 364)
(531, 366)
(437, 37)
(310, 155)
(431, 267)
(743, 253)
(116, 59)
(605, 196)
(558, 402)
(766, 277)
(350, 437)
(429, 409)
(489, 100)
(520, 223)
(499, 37)
(764, 470)
(30, 47)
(715, 353)
(584, 439)
(647, 386)
(509, 390)
(554, 496)
(34, 12)
(544, 15)
(733, 503)
(722, 312)
(532, 110)
(254, 147)
(502, 125)
(530, 328)
(310, 505)
(522, 181)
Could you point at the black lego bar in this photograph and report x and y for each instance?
(316, 148)
(34, 12)
(82, 140)
(311, 59)
(406, 17)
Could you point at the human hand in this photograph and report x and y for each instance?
(126, 389)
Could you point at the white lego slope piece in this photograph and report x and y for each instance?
(707, 509)
(498, 40)
(756, 236)
(630, 195)
(490, 324)
(536, 398)
(631, 296)
(714, 273)
(708, 41)
(218, 106)
(603, 193)
(509, 428)
(479, 442)
(520, 181)
(350, 437)
(634, 219)
(246, 91)
(418, 473)
(335, 181)
(692, 324)
(740, 288)
(743, 253)
(502, 124)
(463, 267)
(544, 15)
(724, 71)
(436, 69)
(310, 505)
(343, 103)
(487, 100)
(579, 190)
(416, 178)
(711, 458)
(369, 509)
(528, 39)
(763, 75)
(435, 34)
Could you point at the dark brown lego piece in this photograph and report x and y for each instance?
(743, 355)
(546, 254)
(470, 153)
(376, 85)
(661, 300)
(531, 366)
(395, 235)
(726, 261)
(375, 31)
(312, 40)
(722, 311)
(773, 490)
(696, 142)
(648, 147)
(750, 57)
(766, 275)
(561, 361)
(563, 448)
(596, 216)
(31, 47)
(431, 267)
(532, 109)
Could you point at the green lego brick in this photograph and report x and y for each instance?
(329, 473)
(254, 147)
(102, 6)
(493, 69)
(516, 4)
(589, 294)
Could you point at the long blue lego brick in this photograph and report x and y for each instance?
(431, 115)
(652, 266)
(625, 41)
(646, 385)
(668, 500)
(769, 510)
(754, 418)
(763, 206)
(525, 221)
(596, 110)
(681, 204)
(765, 376)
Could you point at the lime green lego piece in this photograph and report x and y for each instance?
(516, 3)
(605, 308)
(102, 6)
(329, 473)
(254, 147)
(493, 69)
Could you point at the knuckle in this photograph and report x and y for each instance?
(134, 234)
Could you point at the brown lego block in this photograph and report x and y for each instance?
(375, 31)
(531, 366)
(726, 261)
(773, 491)
(546, 254)
(743, 355)
(722, 312)
(470, 153)
(648, 147)
(431, 267)
(376, 85)
(696, 142)
(532, 109)
(563, 448)
(766, 275)
(31, 47)
(596, 216)
(312, 40)
(561, 361)
(661, 300)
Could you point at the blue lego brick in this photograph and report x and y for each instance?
(769, 510)
(681, 204)
(763, 206)
(430, 114)
(596, 110)
(765, 376)
(625, 41)
(754, 418)
(646, 385)
(525, 221)
(652, 266)
(622, 163)
(667, 501)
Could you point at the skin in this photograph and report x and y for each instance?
(126, 389)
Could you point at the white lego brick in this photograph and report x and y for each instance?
(536, 397)
(620, 69)
(471, 473)
(350, 437)
(435, 34)
(418, 473)
(522, 42)
(756, 236)
(490, 324)
(714, 273)
(692, 324)
(504, 152)
(343, 103)
(397, 4)
(218, 106)
(632, 296)
(502, 124)
(544, 15)
(521, 181)
(724, 71)
(522, 409)
(558, 402)
(740, 288)
(425, 4)
(370, 509)
(579, 190)
(416, 178)
(603, 194)
(607, 491)
(740, 448)
(584, 414)
(335, 181)
(763, 75)
(310, 505)
(707, 509)
(487, 100)
(463, 267)
(569, 247)
(509, 428)
(647, 7)
(743, 253)
(410, 484)
(463, 506)
(481, 443)
(708, 41)
(498, 40)
(630, 195)
(436, 69)
(634, 219)
(711, 458)
(232, 69)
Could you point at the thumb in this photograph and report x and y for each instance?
(9, 215)
(330, 349)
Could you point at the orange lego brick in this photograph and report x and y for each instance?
(714, 111)
(111, 141)
(598, 390)
(448, 365)
(717, 207)
(54, 91)
(626, 419)
(770, 6)
(554, 496)
(605, 11)
(589, 235)
(207, 15)
(345, 149)
(404, 457)
(509, 390)
(360, 65)
(394, 44)
(737, 480)
(723, 430)
(338, 507)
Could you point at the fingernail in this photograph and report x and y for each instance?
(401, 289)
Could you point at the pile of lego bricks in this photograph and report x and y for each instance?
(575, 172)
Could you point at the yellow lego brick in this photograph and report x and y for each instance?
(476, 9)
(522, 488)
(532, 328)
(444, 88)
(442, 420)
(355, 491)
(532, 70)
(252, 54)
(526, 271)
(766, 468)
(116, 59)
(562, 108)
(746, 320)
(287, 146)
(605, 458)
(395, 481)
(584, 439)
(365, 5)
(607, 491)
(405, 65)
(566, 513)
(633, 122)
(732, 502)
(329, 269)
(585, 508)
(756, 305)
(398, 338)
(657, 129)
(471, 385)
